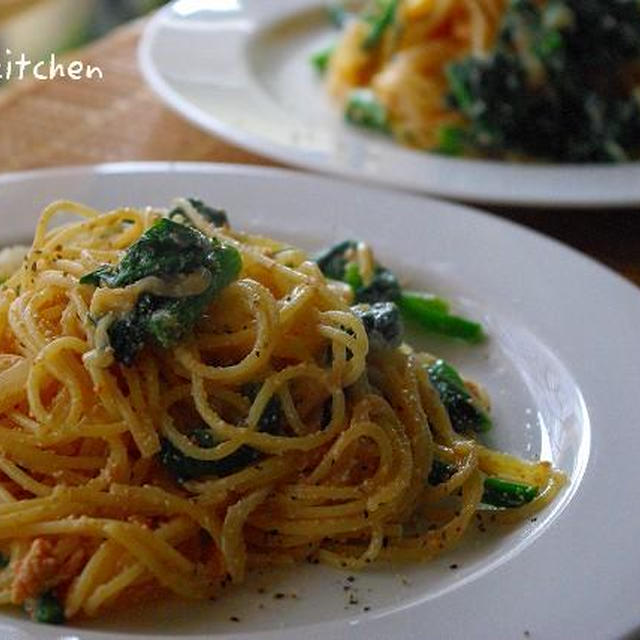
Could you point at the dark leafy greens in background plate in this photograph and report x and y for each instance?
(556, 85)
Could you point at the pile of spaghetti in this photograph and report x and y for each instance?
(548, 79)
(181, 402)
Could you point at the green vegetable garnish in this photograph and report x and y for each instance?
(184, 468)
(352, 276)
(452, 141)
(414, 303)
(429, 312)
(429, 315)
(440, 472)
(168, 251)
(380, 23)
(333, 261)
(506, 493)
(46, 609)
(381, 322)
(217, 217)
(464, 412)
(365, 110)
(320, 59)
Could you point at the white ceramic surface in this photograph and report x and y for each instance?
(562, 368)
(240, 69)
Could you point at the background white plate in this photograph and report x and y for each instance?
(240, 69)
(561, 366)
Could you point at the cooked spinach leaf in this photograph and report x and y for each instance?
(464, 412)
(382, 323)
(168, 251)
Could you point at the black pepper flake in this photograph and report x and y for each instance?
(367, 609)
(278, 596)
(351, 578)
(453, 566)
(353, 599)
(234, 619)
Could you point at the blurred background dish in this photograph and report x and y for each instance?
(491, 78)
(242, 72)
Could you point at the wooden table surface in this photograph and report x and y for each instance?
(65, 122)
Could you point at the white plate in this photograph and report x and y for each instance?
(562, 368)
(240, 69)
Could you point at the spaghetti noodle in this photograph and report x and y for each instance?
(271, 432)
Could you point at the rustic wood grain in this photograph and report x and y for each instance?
(62, 122)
